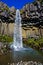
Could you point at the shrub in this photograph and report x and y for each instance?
(34, 43)
(5, 38)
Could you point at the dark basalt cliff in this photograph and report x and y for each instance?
(31, 13)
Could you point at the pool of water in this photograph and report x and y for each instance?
(26, 54)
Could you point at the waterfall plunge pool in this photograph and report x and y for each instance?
(26, 54)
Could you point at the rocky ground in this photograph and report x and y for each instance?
(26, 63)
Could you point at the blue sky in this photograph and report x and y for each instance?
(18, 4)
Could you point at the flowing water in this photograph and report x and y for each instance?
(18, 52)
(17, 31)
(28, 54)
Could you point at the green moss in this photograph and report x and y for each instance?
(37, 43)
(29, 42)
(5, 38)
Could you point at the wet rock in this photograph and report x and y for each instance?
(35, 63)
(29, 63)
(26, 63)
(40, 63)
(20, 63)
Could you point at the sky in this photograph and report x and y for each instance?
(18, 4)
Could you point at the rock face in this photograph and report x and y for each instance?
(29, 9)
(28, 12)
(26, 63)
(32, 10)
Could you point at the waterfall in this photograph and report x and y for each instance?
(17, 31)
